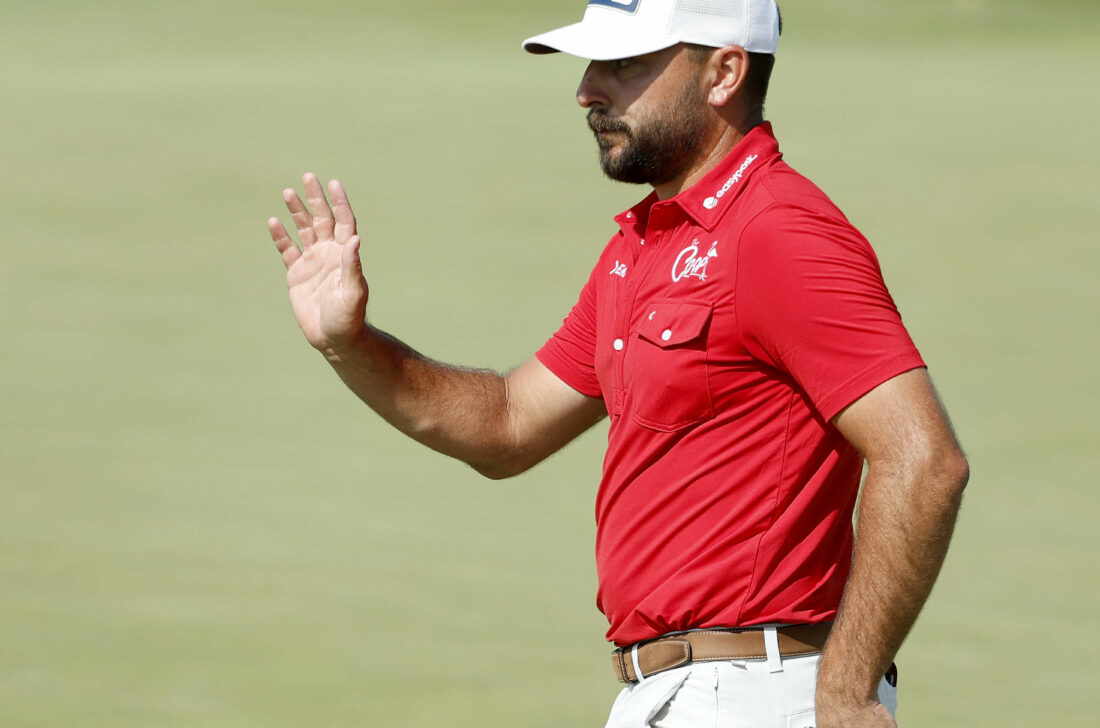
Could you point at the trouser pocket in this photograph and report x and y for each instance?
(638, 704)
(693, 705)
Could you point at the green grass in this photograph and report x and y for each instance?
(198, 526)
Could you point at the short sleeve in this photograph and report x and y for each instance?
(811, 301)
(571, 352)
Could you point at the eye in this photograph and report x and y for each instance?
(623, 63)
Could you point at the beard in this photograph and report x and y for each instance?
(658, 149)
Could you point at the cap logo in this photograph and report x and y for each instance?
(627, 6)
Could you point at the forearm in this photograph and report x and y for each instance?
(459, 412)
(906, 519)
(500, 425)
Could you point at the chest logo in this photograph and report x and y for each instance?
(619, 269)
(689, 264)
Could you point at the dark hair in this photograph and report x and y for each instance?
(759, 74)
(757, 79)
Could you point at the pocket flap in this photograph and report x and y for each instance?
(674, 323)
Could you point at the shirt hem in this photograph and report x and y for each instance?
(840, 398)
(563, 372)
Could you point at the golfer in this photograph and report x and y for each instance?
(737, 332)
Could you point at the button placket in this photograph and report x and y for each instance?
(646, 256)
(623, 293)
(643, 268)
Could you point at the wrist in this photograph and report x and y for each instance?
(844, 696)
(839, 712)
(348, 349)
(846, 679)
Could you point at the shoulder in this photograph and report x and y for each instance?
(795, 239)
(782, 192)
(788, 217)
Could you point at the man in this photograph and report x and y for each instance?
(738, 333)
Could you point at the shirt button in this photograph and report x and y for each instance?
(618, 344)
(666, 335)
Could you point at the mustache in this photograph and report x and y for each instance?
(599, 121)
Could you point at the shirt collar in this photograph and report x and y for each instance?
(637, 217)
(707, 200)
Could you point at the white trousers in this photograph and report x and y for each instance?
(734, 694)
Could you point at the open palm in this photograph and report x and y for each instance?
(328, 292)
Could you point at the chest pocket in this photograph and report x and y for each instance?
(669, 382)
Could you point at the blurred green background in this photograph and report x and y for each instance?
(200, 527)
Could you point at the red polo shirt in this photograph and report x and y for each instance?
(724, 329)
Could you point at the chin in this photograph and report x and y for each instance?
(610, 154)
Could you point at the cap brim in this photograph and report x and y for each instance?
(596, 41)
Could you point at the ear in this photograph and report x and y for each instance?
(729, 67)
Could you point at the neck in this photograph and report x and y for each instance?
(714, 152)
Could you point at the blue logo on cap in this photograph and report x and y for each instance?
(627, 6)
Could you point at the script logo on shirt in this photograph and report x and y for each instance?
(689, 264)
(712, 202)
(619, 269)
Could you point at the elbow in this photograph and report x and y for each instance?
(960, 471)
(938, 473)
(951, 472)
(501, 468)
(494, 471)
(506, 457)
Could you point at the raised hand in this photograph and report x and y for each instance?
(328, 292)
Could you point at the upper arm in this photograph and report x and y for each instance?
(549, 404)
(901, 424)
(544, 414)
(811, 301)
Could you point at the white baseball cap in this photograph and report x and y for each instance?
(614, 29)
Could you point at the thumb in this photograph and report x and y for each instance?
(351, 266)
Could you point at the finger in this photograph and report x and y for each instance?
(283, 243)
(323, 222)
(345, 218)
(302, 219)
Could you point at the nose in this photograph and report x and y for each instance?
(590, 93)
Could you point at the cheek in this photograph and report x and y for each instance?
(637, 94)
(656, 103)
(639, 115)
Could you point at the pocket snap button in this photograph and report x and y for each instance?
(666, 335)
